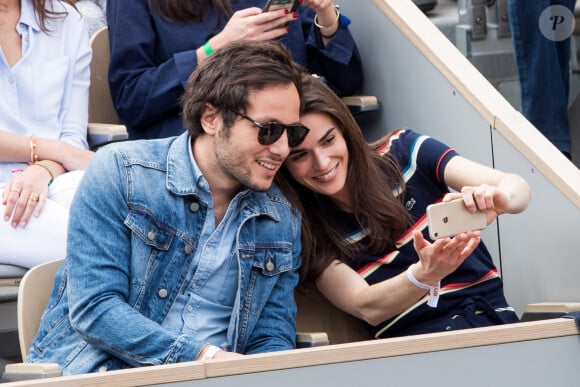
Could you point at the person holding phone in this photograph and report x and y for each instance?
(364, 240)
(156, 44)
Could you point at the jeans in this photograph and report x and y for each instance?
(543, 68)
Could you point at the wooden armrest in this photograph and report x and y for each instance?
(546, 310)
(361, 103)
(101, 134)
(311, 339)
(27, 371)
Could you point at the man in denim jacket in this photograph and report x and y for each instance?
(181, 249)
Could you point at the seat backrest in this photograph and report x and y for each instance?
(317, 314)
(33, 295)
(101, 107)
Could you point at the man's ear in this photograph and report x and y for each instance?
(211, 119)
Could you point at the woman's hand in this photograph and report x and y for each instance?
(442, 257)
(25, 194)
(253, 24)
(318, 5)
(486, 198)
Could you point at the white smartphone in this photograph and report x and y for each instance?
(272, 5)
(451, 218)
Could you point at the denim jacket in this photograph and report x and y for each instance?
(135, 223)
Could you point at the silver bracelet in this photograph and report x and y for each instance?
(336, 8)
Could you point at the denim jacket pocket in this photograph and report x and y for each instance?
(272, 260)
(147, 228)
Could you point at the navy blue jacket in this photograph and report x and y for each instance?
(151, 59)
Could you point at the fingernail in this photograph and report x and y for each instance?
(295, 15)
(23, 224)
(286, 11)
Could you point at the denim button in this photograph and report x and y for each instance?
(194, 207)
(162, 293)
(187, 249)
(102, 368)
(270, 265)
(151, 235)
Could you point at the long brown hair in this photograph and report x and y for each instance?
(43, 14)
(371, 180)
(191, 11)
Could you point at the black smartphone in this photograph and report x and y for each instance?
(272, 5)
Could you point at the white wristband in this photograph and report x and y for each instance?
(433, 290)
(209, 352)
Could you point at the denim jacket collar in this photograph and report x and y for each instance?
(179, 165)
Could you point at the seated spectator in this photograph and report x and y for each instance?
(181, 248)
(94, 13)
(44, 78)
(156, 44)
(364, 238)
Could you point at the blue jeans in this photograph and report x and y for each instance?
(543, 68)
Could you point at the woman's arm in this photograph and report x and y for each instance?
(487, 189)
(73, 115)
(376, 303)
(337, 58)
(54, 157)
(17, 148)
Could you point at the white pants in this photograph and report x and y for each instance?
(44, 238)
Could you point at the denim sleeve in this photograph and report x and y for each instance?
(144, 86)
(275, 330)
(99, 261)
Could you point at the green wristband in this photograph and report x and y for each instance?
(207, 48)
(48, 169)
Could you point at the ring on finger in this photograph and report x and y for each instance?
(33, 197)
(15, 190)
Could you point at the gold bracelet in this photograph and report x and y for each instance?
(33, 155)
(336, 7)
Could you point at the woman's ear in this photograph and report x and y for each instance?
(210, 119)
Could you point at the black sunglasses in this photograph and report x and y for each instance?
(270, 132)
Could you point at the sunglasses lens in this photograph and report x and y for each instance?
(270, 133)
(296, 134)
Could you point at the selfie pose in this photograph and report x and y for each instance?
(364, 237)
(156, 44)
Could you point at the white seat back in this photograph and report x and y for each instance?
(33, 295)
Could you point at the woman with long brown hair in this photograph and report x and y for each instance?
(365, 239)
